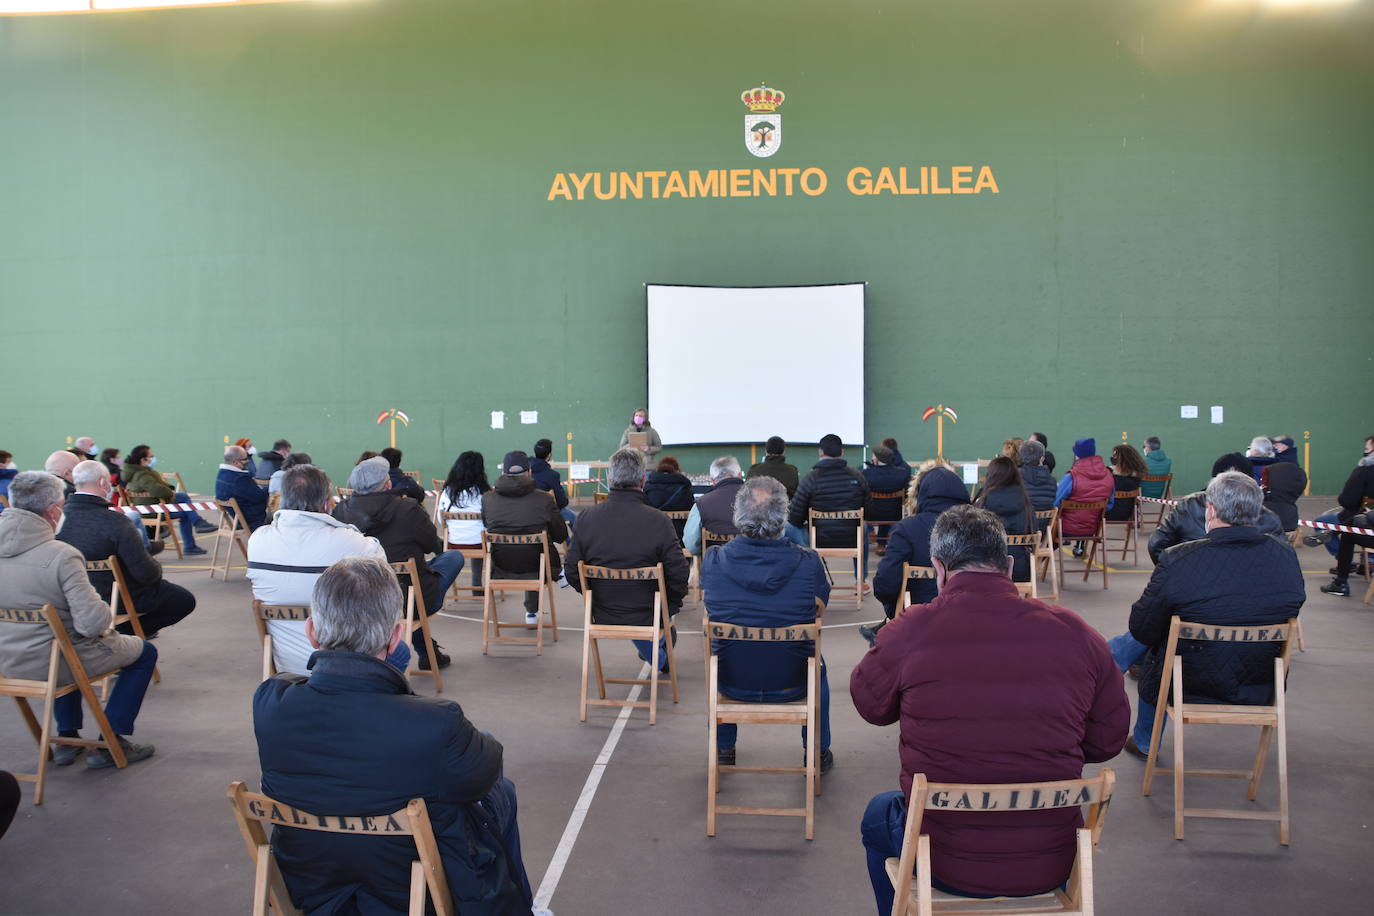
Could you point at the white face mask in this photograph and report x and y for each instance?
(11, 466)
(93, 451)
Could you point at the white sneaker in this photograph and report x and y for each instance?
(531, 617)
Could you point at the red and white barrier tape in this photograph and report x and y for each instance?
(168, 507)
(1161, 502)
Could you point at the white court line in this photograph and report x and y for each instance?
(824, 626)
(584, 802)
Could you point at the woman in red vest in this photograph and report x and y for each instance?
(1087, 480)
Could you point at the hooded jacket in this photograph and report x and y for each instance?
(37, 569)
(1009, 505)
(832, 486)
(885, 478)
(1283, 483)
(515, 506)
(138, 478)
(776, 467)
(762, 583)
(1158, 464)
(353, 739)
(404, 529)
(624, 532)
(938, 490)
(670, 492)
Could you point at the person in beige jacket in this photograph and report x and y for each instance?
(37, 569)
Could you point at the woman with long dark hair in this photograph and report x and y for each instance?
(1003, 493)
(467, 481)
(1128, 466)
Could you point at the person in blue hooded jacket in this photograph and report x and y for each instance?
(761, 579)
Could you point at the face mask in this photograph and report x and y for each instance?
(152, 462)
(639, 421)
(93, 451)
(11, 466)
(252, 450)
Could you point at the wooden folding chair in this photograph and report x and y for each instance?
(806, 711)
(910, 874)
(1045, 557)
(693, 567)
(173, 480)
(470, 554)
(155, 521)
(1097, 539)
(1130, 539)
(854, 553)
(542, 584)
(22, 689)
(592, 632)
(877, 525)
(1160, 508)
(413, 475)
(4, 500)
(231, 523)
(262, 613)
(120, 596)
(437, 485)
(1272, 721)
(417, 618)
(343, 493)
(252, 810)
(909, 574)
(1030, 542)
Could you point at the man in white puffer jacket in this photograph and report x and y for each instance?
(286, 556)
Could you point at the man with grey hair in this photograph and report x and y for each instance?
(234, 480)
(1235, 576)
(36, 569)
(99, 533)
(714, 509)
(625, 532)
(761, 579)
(84, 447)
(286, 556)
(1039, 482)
(353, 739)
(406, 532)
(988, 687)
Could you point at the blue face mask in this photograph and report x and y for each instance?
(93, 451)
(152, 462)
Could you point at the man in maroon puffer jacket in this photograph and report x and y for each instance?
(988, 687)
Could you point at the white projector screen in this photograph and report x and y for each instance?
(740, 364)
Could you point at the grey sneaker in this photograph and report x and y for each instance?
(64, 755)
(1318, 539)
(100, 759)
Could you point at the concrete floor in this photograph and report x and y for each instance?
(159, 838)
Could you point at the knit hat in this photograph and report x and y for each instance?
(515, 463)
(369, 475)
(1085, 448)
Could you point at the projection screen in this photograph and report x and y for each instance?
(740, 364)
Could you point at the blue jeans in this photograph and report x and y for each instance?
(1332, 546)
(1126, 650)
(448, 565)
(646, 648)
(125, 699)
(188, 520)
(882, 828)
(726, 732)
(1145, 724)
(569, 516)
(501, 804)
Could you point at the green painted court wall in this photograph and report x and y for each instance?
(283, 219)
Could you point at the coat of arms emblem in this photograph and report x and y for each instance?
(763, 124)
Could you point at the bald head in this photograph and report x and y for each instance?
(86, 444)
(61, 464)
(91, 477)
(235, 453)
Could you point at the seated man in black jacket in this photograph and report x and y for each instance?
(400, 480)
(1235, 576)
(98, 533)
(831, 486)
(547, 478)
(395, 746)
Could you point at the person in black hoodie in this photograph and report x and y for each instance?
(549, 480)
(669, 490)
(774, 465)
(1359, 486)
(271, 461)
(937, 489)
(1004, 494)
(1049, 455)
(406, 532)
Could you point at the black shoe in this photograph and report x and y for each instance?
(204, 527)
(194, 551)
(155, 547)
(827, 761)
(1357, 571)
(439, 654)
(1135, 671)
(1078, 550)
(99, 758)
(1135, 751)
(1338, 586)
(1318, 539)
(725, 756)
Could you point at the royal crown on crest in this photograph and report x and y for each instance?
(761, 99)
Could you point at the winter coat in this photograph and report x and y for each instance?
(1092, 483)
(1040, 486)
(37, 569)
(352, 739)
(832, 486)
(231, 483)
(716, 507)
(670, 493)
(938, 490)
(625, 532)
(403, 527)
(406, 485)
(991, 687)
(1234, 576)
(1359, 486)
(1187, 521)
(885, 478)
(6, 475)
(1283, 483)
(1009, 504)
(653, 446)
(1123, 508)
(514, 506)
(549, 480)
(285, 557)
(762, 583)
(1158, 465)
(270, 464)
(98, 533)
(776, 467)
(138, 478)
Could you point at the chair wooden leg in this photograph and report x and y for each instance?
(672, 661)
(488, 613)
(712, 763)
(586, 660)
(1282, 738)
(553, 610)
(44, 749)
(653, 673)
(1261, 754)
(26, 712)
(600, 675)
(428, 638)
(1178, 775)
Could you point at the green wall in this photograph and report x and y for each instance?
(282, 219)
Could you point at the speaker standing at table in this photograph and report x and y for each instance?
(639, 434)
